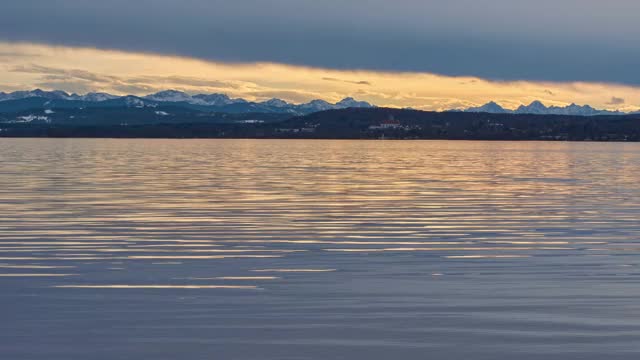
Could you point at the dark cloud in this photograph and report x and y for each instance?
(135, 88)
(185, 81)
(616, 101)
(81, 81)
(361, 82)
(563, 40)
(15, 54)
(58, 73)
(68, 86)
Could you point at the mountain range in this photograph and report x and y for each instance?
(538, 108)
(40, 99)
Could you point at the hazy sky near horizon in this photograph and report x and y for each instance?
(588, 47)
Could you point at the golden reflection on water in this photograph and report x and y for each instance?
(235, 278)
(183, 250)
(486, 256)
(228, 207)
(6, 266)
(294, 270)
(242, 287)
(449, 249)
(203, 257)
(36, 275)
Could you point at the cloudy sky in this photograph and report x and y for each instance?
(421, 53)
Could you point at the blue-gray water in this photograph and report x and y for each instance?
(240, 249)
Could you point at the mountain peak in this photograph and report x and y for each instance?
(97, 97)
(537, 107)
(318, 101)
(170, 92)
(170, 95)
(279, 103)
(214, 99)
(350, 102)
(490, 107)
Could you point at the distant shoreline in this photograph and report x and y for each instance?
(347, 124)
(314, 139)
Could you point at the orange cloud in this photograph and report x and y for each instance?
(28, 66)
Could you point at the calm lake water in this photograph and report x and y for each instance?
(242, 249)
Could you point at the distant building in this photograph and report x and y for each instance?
(250, 121)
(390, 123)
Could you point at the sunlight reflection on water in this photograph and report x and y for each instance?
(361, 249)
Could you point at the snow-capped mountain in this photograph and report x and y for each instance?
(538, 108)
(50, 95)
(584, 110)
(56, 95)
(170, 96)
(213, 102)
(275, 103)
(200, 99)
(315, 106)
(133, 101)
(97, 97)
(217, 99)
(490, 107)
(352, 103)
(223, 103)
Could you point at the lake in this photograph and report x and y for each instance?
(276, 249)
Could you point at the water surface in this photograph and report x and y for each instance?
(242, 249)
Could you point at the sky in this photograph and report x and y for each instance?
(424, 54)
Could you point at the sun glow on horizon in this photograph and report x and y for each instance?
(74, 69)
